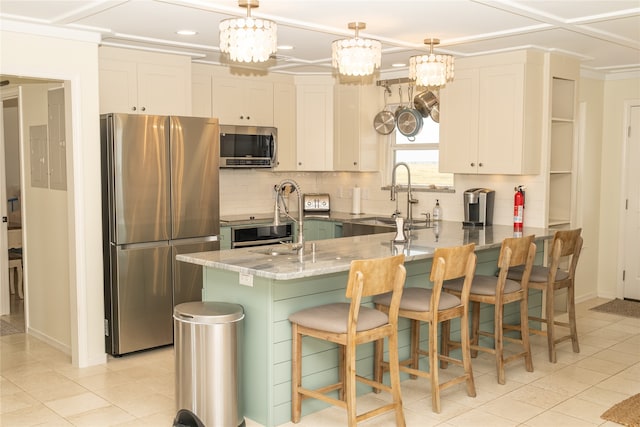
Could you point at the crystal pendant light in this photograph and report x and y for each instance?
(356, 56)
(431, 70)
(248, 39)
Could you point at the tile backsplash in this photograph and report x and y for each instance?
(251, 192)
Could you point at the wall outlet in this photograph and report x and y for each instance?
(246, 279)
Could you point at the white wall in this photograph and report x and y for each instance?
(616, 92)
(46, 244)
(590, 97)
(34, 51)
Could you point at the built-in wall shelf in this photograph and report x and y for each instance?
(557, 223)
(562, 131)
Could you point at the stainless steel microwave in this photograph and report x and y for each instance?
(247, 146)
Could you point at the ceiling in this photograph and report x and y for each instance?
(604, 35)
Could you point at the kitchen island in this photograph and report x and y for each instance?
(271, 283)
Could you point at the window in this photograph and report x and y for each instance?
(421, 154)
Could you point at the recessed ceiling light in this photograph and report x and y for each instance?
(187, 32)
(285, 47)
(398, 65)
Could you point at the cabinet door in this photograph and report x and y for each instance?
(315, 127)
(459, 123)
(225, 238)
(201, 95)
(228, 102)
(243, 102)
(501, 126)
(284, 119)
(311, 230)
(355, 144)
(164, 89)
(259, 102)
(347, 133)
(118, 86)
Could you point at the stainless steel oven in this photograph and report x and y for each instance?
(260, 235)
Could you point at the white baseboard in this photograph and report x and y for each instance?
(52, 342)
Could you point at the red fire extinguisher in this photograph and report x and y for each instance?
(518, 208)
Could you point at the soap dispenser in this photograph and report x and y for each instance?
(437, 211)
(400, 234)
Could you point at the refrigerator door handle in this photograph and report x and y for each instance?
(129, 246)
(212, 238)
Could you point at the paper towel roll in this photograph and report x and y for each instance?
(355, 205)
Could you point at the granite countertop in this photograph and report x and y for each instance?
(335, 255)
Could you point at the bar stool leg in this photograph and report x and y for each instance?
(524, 334)
(551, 338)
(572, 318)
(296, 376)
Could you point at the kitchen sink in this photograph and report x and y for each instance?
(278, 250)
(376, 224)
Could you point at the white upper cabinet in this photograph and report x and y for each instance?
(284, 119)
(201, 82)
(491, 115)
(355, 145)
(243, 101)
(314, 121)
(144, 83)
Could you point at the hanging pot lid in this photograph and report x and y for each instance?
(385, 121)
(409, 122)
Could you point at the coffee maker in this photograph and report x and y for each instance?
(478, 207)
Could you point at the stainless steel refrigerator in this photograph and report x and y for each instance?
(160, 198)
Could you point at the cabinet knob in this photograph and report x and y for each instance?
(355, 163)
(473, 165)
(479, 164)
(299, 163)
(248, 118)
(144, 108)
(133, 108)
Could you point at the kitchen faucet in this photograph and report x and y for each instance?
(410, 199)
(285, 185)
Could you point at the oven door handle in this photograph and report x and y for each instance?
(261, 242)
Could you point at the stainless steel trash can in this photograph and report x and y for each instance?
(207, 338)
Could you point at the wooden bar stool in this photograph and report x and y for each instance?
(350, 324)
(499, 291)
(434, 307)
(566, 246)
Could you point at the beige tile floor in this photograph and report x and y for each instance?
(38, 386)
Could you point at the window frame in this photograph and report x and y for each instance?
(395, 146)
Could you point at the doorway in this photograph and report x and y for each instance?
(39, 210)
(13, 312)
(631, 221)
